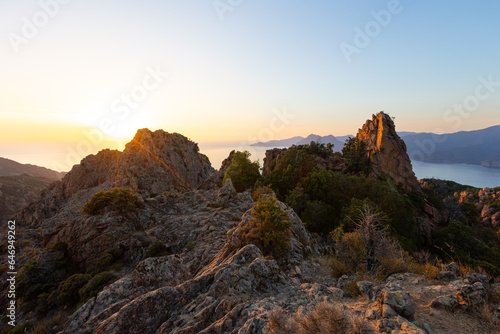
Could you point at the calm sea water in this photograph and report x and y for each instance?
(472, 175)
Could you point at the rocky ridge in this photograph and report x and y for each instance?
(212, 280)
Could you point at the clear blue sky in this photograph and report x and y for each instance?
(227, 77)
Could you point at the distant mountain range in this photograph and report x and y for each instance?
(12, 168)
(22, 184)
(338, 142)
(480, 147)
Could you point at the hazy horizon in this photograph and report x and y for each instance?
(78, 77)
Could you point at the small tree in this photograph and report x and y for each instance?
(357, 158)
(242, 172)
(269, 228)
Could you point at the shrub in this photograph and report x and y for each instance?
(339, 268)
(242, 172)
(31, 281)
(368, 249)
(357, 157)
(261, 191)
(325, 200)
(269, 227)
(96, 284)
(67, 292)
(460, 243)
(105, 261)
(156, 249)
(118, 199)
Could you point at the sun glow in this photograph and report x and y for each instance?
(116, 126)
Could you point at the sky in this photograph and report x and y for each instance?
(79, 76)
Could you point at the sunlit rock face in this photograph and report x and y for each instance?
(387, 151)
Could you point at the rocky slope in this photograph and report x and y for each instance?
(210, 277)
(237, 291)
(487, 202)
(152, 163)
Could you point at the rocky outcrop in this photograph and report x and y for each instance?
(152, 163)
(394, 300)
(271, 159)
(487, 201)
(332, 162)
(387, 151)
(215, 179)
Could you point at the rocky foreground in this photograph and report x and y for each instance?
(208, 277)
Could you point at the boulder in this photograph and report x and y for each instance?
(226, 193)
(366, 288)
(398, 300)
(452, 266)
(446, 276)
(472, 296)
(445, 302)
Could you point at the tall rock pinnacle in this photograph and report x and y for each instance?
(387, 151)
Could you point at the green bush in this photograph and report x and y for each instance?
(357, 157)
(67, 292)
(156, 249)
(118, 199)
(459, 242)
(105, 261)
(242, 172)
(269, 228)
(31, 282)
(96, 284)
(261, 191)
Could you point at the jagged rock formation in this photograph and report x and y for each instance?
(387, 151)
(271, 159)
(152, 163)
(215, 179)
(211, 279)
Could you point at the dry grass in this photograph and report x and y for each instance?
(326, 318)
(427, 269)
